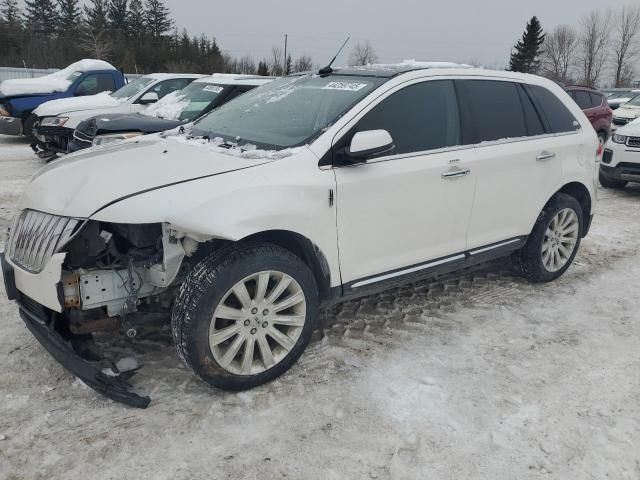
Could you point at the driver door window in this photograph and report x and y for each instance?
(95, 83)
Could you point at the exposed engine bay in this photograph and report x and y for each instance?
(114, 274)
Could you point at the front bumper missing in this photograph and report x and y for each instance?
(71, 351)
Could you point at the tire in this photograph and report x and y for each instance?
(27, 129)
(611, 183)
(602, 137)
(206, 297)
(530, 260)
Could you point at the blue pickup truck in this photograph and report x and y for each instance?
(19, 97)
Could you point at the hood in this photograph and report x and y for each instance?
(20, 87)
(631, 129)
(627, 112)
(74, 104)
(80, 184)
(134, 122)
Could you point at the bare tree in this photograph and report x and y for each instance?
(246, 65)
(625, 40)
(594, 40)
(362, 54)
(303, 64)
(558, 57)
(97, 44)
(276, 66)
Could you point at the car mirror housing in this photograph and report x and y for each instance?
(369, 144)
(149, 97)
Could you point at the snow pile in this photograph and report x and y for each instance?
(54, 82)
(61, 105)
(170, 107)
(219, 145)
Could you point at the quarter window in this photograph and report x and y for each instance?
(420, 117)
(554, 111)
(596, 99)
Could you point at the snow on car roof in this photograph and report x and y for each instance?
(234, 79)
(393, 69)
(53, 82)
(165, 76)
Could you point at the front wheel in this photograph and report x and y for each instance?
(554, 241)
(245, 315)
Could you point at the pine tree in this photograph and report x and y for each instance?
(41, 16)
(117, 14)
(136, 19)
(288, 65)
(10, 12)
(70, 15)
(96, 16)
(526, 54)
(263, 68)
(157, 17)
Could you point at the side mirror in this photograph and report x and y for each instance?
(149, 97)
(369, 144)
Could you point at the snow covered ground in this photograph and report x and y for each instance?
(476, 376)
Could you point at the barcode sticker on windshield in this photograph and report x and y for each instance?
(212, 88)
(350, 86)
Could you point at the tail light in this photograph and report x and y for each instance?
(599, 150)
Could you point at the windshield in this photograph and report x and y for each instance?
(186, 104)
(132, 88)
(634, 102)
(287, 112)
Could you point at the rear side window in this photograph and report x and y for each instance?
(596, 99)
(493, 110)
(582, 98)
(419, 117)
(554, 111)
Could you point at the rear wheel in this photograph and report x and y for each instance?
(245, 315)
(611, 183)
(554, 241)
(602, 137)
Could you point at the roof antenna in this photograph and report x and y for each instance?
(327, 70)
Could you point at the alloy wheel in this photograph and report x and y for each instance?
(257, 323)
(560, 239)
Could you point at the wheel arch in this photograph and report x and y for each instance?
(581, 193)
(303, 248)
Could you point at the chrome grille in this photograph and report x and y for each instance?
(36, 236)
(633, 142)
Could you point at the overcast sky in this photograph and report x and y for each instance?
(443, 30)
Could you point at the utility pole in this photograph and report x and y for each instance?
(284, 60)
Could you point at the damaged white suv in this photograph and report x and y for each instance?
(303, 192)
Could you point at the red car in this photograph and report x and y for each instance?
(594, 104)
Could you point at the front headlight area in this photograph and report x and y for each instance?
(118, 270)
(616, 138)
(54, 121)
(112, 138)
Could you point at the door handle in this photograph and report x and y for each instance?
(545, 156)
(456, 172)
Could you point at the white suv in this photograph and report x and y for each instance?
(621, 158)
(303, 192)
